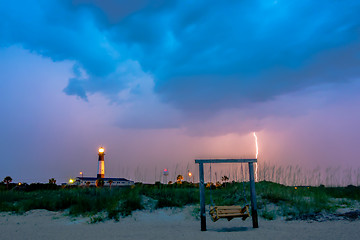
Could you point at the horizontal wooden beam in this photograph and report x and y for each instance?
(225, 160)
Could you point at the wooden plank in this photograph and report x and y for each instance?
(228, 207)
(225, 160)
(202, 197)
(232, 215)
(230, 211)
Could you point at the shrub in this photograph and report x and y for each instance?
(131, 201)
(96, 219)
(269, 215)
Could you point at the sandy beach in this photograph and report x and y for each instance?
(165, 224)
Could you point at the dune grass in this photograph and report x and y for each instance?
(171, 195)
(79, 201)
(273, 199)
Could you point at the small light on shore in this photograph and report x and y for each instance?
(71, 180)
(19, 183)
(295, 187)
(190, 174)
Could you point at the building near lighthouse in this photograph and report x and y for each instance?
(92, 181)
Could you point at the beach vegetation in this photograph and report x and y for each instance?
(96, 219)
(52, 181)
(179, 179)
(268, 214)
(7, 180)
(99, 182)
(274, 200)
(110, 182)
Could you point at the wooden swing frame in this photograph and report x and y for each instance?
(228, 212)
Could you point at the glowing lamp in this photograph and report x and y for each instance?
(71, 180)
(101, 150)
(190, 174)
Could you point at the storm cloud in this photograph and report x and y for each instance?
(159, 83)
(203, 56)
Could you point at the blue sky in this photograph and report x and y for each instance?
(195, 76)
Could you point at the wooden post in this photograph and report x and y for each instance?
(202, 197)
(253, 196)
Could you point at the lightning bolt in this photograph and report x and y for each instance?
(257, 153)
(257, 146)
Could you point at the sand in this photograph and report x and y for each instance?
(166, 224)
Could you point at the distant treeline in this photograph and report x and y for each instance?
(29, 187)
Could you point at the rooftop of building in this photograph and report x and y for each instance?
(105, 179)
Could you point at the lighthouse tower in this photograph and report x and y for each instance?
(101, 169)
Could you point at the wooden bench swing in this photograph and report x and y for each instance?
(228, 212)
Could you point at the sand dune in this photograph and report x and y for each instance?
(165, 224)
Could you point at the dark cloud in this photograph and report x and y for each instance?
(113, 11)
(215, 56)
(204, 56)
(49, 29)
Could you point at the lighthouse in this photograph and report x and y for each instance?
(101, 169)
(94, 181)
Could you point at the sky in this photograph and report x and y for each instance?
(159, 83)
